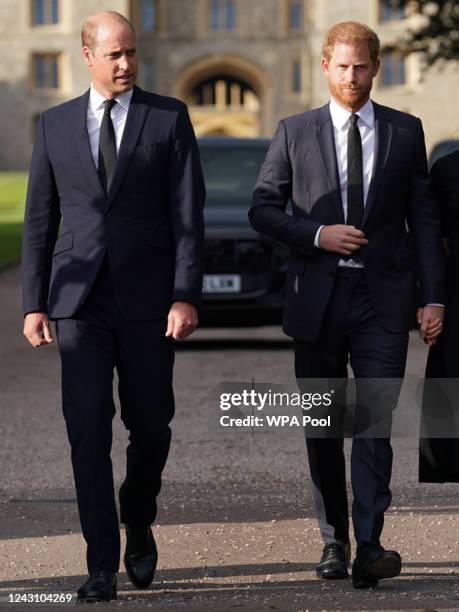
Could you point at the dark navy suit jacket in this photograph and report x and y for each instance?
(301, 165)
(150, 223)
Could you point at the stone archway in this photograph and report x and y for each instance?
(239, 101)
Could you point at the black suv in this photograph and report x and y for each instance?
(244, 272)
(442, 148)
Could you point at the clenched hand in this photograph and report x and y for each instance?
(182, 320)
(342, 239)
(37, 329)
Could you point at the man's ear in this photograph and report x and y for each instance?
(88, 57)
(376, 67)
(324, 64)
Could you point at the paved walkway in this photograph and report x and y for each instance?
(236, 526)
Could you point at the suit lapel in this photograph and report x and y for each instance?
(325, 141)
(383, 140)
(132, 129)
(83, 147)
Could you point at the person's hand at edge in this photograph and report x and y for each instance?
(430, 321)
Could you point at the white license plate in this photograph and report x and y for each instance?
(221, 283)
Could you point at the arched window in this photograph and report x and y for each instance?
(224, 92)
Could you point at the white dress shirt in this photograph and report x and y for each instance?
(96, 112)
(366, 124)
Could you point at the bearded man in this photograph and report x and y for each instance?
(356, 175)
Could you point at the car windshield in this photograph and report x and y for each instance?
(230, 173)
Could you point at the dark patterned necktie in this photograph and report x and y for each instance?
(354, 174)
(107, 147)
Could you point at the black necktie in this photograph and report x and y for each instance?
(107, 146)
(354, 174)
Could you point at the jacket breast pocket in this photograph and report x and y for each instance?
(149, 148)
(63, 243)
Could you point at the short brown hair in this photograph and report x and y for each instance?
(349, 32)
(89, 27)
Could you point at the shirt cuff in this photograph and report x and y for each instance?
(439, 305)
(316, 237)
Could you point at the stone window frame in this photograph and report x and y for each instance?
(401, 76)
(154, 6)
(150, 61)
(159, 29)
(397, 10)
(291, 27)
(285, 24)
(222, 29)
(46, 55)
(48, 10)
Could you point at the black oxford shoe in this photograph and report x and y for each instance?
(141, 556)
(334, 561)
(372, 564)
(100, 586)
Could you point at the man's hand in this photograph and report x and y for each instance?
(430, 321)
(182, 320)
(37, 329)
(342, 239)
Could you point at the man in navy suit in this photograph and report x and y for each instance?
(112, 252)
(356, 175)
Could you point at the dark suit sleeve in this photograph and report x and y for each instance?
(424, 223)
(187, 196)
(445, 183)
(272, 193)
(41, 225)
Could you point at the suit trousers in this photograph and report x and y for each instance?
(350, 332)
(92, 344)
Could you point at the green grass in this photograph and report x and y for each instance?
(13, 187)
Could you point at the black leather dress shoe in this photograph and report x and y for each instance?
(372, 564)
(141, 556)
(334, 561)
(100, 586)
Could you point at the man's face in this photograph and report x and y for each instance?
(350, 72)
(113, 60)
